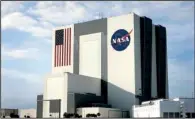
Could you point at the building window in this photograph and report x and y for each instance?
(193, 115)
(171, 115)
(165, 115)
(188, 115)
(176, 114)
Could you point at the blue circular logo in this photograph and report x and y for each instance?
(120, 40)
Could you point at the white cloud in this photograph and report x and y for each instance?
(16, 53)
(92, 5)
(19, 75)
(117, 7)
(169, 10)
(18, 20)
(10, 6)
(64, 13)
(137, 11)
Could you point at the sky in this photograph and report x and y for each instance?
(26, 29)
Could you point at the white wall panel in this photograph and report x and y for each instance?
(110, 112)
(137, 56)
(90, 55)
(45, 103)
(121, 65)
(55, 88)
(85, 111)
(105, 112)
(147, 111)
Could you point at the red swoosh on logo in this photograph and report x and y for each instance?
(128, 34)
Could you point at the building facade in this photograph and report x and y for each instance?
(7, 112)
(27, 112)
(165, 108)
(125, 54)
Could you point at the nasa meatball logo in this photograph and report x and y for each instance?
(120, 39)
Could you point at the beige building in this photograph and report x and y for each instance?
(27, 112)
(7, 112)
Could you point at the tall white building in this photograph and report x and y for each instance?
(122, 59)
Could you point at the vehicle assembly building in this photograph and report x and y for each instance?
(109, 63)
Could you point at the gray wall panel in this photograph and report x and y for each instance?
(39, 111)
(71, 103)
(84, 29)
(54, 106)
(89, 28)
(161, 61)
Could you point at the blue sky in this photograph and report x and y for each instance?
(26, 41)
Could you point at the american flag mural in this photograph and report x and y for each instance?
(62, 53)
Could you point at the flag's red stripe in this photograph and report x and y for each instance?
(61, 46)
(59, 55)
(67, 47)
(59, 59)
(70, 48)
(56, 56)
(62, 53)
(63, 50)
(64, 46)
